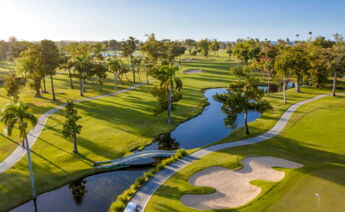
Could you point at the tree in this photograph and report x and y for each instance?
(190, 44)
(15, 48)
(215, 46)
(243, 96)
(114, 45)
(229, 47)
(318, 58)
(241, 50)
(299, 63)
(337, 63)
(82, 65)
(149, 66)
(128, 48)
(173, 49)
(204, 46)
(282, 65)
(97, 50)
(152, 47)
(50, 61)
(17, 115)
(169, 90)
(101, 72)
(114, 66)
(30, 65)
(12, 86)
(70, 127)
(269, 52)
(81, 59)
(137, 65)
(67, 64)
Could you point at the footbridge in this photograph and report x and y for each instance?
(128, 160)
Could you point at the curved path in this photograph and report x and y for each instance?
(134, 157)
(144, 194)
(34, 133)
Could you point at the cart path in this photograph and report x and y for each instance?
(35, 132)
(144, 194)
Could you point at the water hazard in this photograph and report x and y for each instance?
(97, 192)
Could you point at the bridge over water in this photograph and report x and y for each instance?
(129, 160)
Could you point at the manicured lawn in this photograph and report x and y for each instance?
(112, 127)
(314, 137)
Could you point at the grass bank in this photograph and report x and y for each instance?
(314, 137)
(112, 127)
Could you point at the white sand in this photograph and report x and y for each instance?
(233, 187)
(193, 71)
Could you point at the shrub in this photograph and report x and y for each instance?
(121, 200)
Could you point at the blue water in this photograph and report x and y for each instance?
(206, 128)
(209, 126)
(97, 192)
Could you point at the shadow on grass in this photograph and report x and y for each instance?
(308, 153)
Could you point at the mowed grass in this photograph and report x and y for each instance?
(112, 127)
(314, 136)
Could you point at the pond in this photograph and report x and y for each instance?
(97, 192)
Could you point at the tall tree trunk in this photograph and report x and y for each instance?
(75, 144)
(30, 167)
(84, 85)
(246, 123)
(284, 90)
(298, 86)
(115, 80)
(38, 93)
(169, 105)
(147, 78)
(121, 76)
(44, 85)
(70, 79)
(268, 84)
(100, 84)
(133, 70)
(52, 85)
(334, 83)
(81, 87)
(127, 78)
(139, 73)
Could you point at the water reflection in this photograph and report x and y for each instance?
(78, 190)
(94, 193)
(166, 142)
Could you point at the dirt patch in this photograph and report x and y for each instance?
(233, 186)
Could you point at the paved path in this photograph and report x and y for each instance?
(34, 133)
(144, 194)
(134, 157)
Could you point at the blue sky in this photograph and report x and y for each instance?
(174, 19)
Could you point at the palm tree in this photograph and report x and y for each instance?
(170, 85)
(17, 115)
(67, 64)
(114, 66)
(81, 65)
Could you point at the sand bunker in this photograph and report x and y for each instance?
(191, 60)
(193, 71)
(233, 187)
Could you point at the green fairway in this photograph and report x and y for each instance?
(112, 127)
(314, 137)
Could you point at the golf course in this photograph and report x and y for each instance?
(147, 106)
